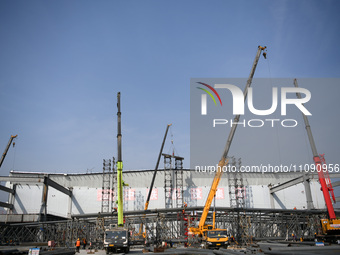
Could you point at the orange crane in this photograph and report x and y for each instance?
(213, 237)
(7, 147)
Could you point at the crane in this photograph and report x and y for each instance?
(7, 147)
(156, 168)
(118, 238)
(119, 166)
(153, 179)
(332, 225)
(211, 236)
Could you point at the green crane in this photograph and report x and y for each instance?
(119, 166)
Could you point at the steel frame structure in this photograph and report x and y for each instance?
(244, 224)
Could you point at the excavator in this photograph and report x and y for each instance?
(331, 226)
(211, 236)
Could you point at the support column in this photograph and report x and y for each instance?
(309, 199)
(43, 209)
(11, 200)
(272, 204)
(70, 204)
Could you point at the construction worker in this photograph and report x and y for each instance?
(294, 237)
(84, 243)
(78, 245)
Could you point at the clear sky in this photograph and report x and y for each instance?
(63, 62)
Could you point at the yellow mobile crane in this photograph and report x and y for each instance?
(214, 237)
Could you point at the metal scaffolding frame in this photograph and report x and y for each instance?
(244, 224)
(106, 187)
(168, 188)
(237, 190)
(179, 181)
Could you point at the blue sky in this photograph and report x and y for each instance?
(63, 62)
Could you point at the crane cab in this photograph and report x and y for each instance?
(215, 238)
(330, 227)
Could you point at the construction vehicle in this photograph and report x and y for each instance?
(117, 237)
(331, 226)
(210, 236)
(7, 147)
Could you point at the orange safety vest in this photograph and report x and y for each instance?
(78, 243)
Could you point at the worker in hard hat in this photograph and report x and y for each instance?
(294, 237)
(77, 245)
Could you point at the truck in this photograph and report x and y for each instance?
(116, 238)
(214, 238)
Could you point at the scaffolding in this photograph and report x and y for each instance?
(179, 181)
(237, 189)
(168, 188)
(173, 181)
(106, 187)
(244, 224)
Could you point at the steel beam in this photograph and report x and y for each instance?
(6, 205)
(287, 184)
(3, 188)
(21, 179)
(44, 180)
(57, 186)
(200, 208)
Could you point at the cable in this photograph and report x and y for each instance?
(172, 150)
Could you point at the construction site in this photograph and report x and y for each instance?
(173, 210)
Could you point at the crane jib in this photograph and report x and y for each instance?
(224, 157)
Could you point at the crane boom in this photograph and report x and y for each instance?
(224, 158)
(156, 168)
(119, 166)
(154, 176)
(6, 149)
